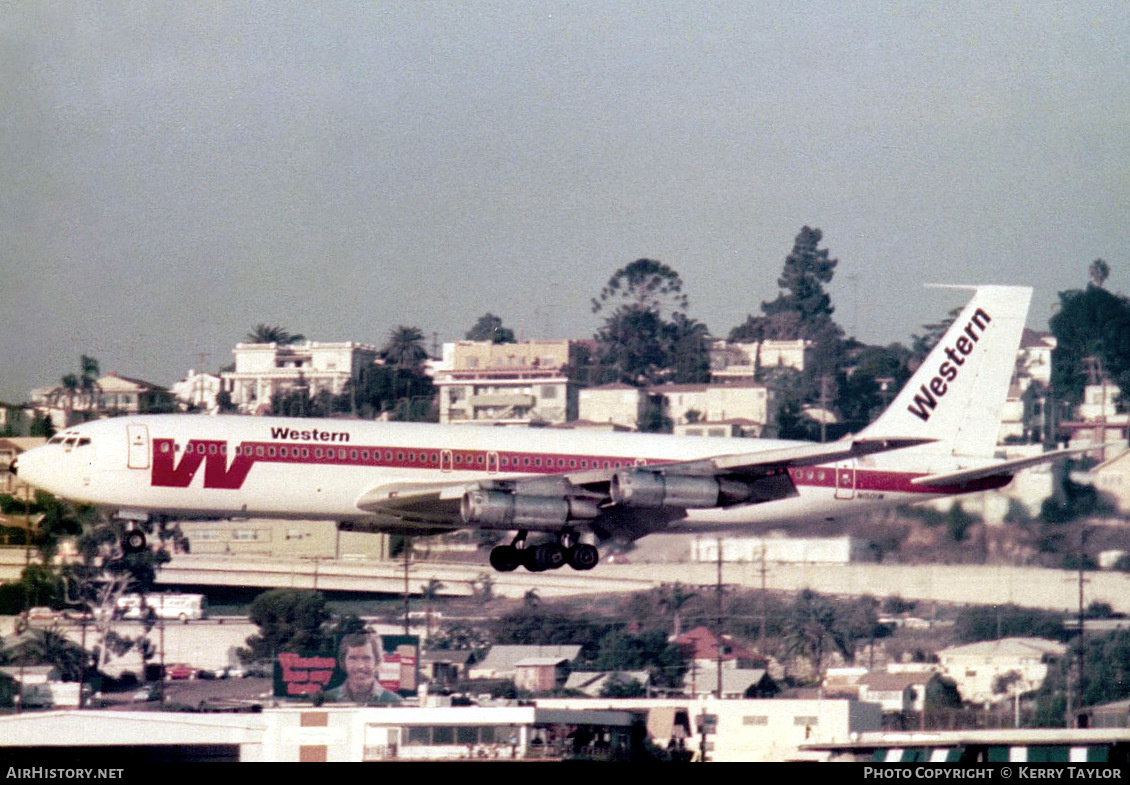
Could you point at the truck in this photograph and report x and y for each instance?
(182, 607)
(52, 695)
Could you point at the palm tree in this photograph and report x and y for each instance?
(1099, 272)
(815, 631)
(405, 348)
(71, 387)
(50, 646)
(264, 333)
(690, 350)
(674, 597)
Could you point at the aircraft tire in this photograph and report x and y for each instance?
(133, 541)
(583, 556)
(530, 560)
(550, 556)
(505, 558)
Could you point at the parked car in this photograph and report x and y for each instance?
(178, 671)
(147, 693)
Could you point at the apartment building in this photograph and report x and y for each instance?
(486, 383)
(265, 369)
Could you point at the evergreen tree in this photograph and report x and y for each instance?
(639, 341)
(489, 328)
(1092, 326)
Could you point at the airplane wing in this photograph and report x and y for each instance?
(1000, 468)
(609, 498)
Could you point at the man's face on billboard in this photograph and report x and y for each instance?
(360, 667)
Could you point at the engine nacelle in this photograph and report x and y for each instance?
(649, 489)
(498, 509)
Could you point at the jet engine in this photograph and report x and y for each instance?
(499, 509)
(650, 489)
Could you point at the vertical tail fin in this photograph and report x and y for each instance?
(956, 395)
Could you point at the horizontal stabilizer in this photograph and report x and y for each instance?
(1003, 467)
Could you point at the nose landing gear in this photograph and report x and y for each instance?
(133, 541)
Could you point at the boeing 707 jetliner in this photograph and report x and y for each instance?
(937, 438)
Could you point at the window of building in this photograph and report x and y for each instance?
(247, 535)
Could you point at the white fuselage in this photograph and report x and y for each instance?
(202, 466)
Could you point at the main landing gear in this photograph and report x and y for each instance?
(546, 556)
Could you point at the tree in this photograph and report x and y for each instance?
(638, 339)
(820, 625)
(620, 686)
(644, 285)
(264, 333)
(83, 386)
(636, 343)
(404, 349)
(690, 348)
(1099, 272)
(489, 328)
(920, 345)
(802, 309)
(1091, 324)
(875, 375)
(288, 620)
(941, 693)
(672, 597)
(52, 647)
(987, 622)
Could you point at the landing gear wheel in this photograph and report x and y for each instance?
(531, 561)
(583, 556)
(505, 558)
(133, 541)
(550, 556)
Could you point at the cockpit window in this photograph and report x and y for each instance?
(70, 441)
(85, 440)
(56, 440)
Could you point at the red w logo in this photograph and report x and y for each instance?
(213, 454)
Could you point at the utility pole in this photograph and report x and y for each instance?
(718, 594)
(823, 409)
(407, 548)
(1081, 653)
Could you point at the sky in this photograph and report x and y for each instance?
(173, 174)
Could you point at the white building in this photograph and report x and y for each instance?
(981, 670)
(716, 403)
(783, 550)
(754, 730)
(264, 369)
(480, 382)
(198, 391)
(1034, 361)
(309, 734)
(616, 404)
(742, 360)
(108, 396)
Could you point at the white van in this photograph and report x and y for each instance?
(183, 607)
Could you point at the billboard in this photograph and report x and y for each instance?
(366, 668)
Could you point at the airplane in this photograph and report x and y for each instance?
(937, 438)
